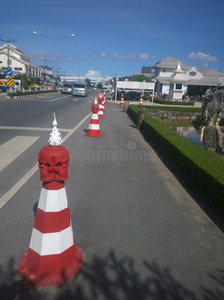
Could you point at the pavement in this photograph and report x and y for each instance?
(144, 237)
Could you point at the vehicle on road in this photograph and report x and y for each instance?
(3, 86)
(80, 89)
(66, 88)
(17, 85)
(34, 87)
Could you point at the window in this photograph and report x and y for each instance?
(18, 69)
(178, 86)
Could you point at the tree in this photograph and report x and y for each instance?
(140, 78)
(23, 77)
(87, 80)
(99, 85)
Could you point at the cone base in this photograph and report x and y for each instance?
(50, 270)
(93, 133)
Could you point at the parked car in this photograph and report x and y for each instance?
(34, 87)
(3, 86)
(80, 89)
(66, 88)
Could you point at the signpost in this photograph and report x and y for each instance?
(9, 72)
(10, 82)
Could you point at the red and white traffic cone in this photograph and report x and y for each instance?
(111, 96)
(98, 95)
(141, 100)
(52, 257)
(122, 99)
(104, 101)
(101, 108)
(94, 126)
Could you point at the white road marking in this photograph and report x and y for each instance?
(46, 99)
(10, 150)
(59, 98)
(32, 128)
(5, 198)
(17, 186)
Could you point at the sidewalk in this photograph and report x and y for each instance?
(142, 235)
(139, 229)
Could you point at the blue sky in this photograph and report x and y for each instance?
(117, 36)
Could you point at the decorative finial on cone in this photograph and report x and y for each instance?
(55, 135)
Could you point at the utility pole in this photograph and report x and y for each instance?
(8, 41)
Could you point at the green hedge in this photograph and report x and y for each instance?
(169, 102)
(202, 169)
(181, 109)
(27, 93)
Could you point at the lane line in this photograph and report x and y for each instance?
(59, 98)
(76, 127)
(9, 152)
(32, 128)
(5, 198)
(17, 186)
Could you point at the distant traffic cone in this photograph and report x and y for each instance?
(98, 95)
(94, 126)
(111, 96)
(122, 99)
(104, 101)
(141, 101)
(101, 108)
(52, 257)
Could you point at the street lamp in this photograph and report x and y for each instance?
(80, 61)
(53, 40)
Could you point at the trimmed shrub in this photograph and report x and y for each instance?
(169, 102)
(202, 169)
(27, 93)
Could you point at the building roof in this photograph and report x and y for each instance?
(185, 74)
(211, 78)
(171, 62)
(147, 70)
(179, 75)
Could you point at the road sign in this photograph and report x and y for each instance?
(9, 72)
(10, 81)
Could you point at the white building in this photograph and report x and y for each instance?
(13, 58)
(175, 79)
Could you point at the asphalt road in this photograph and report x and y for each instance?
(142, 235)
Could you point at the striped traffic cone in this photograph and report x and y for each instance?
(94, 126)
(104, 101)
(141, 100)
(101, 108)
(122, 99)
(52, 257)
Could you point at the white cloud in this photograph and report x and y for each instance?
(117, 56)
(92, 74)
(144, 56)
(207, 58)
(103, 55)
